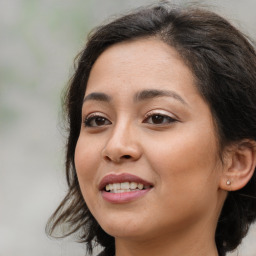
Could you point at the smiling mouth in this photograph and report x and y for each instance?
(122, 183)
(125, 187)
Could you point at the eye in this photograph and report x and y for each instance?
(96, 121)
(159, 119)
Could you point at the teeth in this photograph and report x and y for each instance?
(124, 187)
(140, 186)
(116, 186)
(133, 185)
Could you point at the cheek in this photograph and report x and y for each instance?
(185, 162)
(87, 154)
(188, 178)
(86, 162)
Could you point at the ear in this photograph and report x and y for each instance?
(239, 166)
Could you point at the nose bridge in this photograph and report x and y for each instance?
(122, 142)
(121, 133)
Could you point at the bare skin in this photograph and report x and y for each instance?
(167, 138)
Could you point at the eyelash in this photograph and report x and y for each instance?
(162, 116)
(93, 117)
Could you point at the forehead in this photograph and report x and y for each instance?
(140, 64)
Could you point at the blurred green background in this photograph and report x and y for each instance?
(38, 42)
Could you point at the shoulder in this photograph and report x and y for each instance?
(103, 253)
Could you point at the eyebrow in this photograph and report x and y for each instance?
(98, 96)
(150, 94)
(139, 96)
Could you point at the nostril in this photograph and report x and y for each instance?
(107, 158)
(126, 156)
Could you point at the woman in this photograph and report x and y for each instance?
(161, 149)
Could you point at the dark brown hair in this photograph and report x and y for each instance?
(224, 64)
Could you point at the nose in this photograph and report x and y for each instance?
(122, 145)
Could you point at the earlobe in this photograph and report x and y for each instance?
(240, 165)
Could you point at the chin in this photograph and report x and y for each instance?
(123, 227)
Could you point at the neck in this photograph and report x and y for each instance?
(200, 243)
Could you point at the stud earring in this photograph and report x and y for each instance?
(228, 182)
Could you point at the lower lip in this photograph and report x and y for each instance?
(125, 197)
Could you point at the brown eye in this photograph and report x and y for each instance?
(159, 119)
(96, 121)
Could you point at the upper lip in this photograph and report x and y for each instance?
(119, 178)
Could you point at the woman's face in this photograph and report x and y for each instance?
(147, 154)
